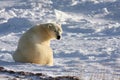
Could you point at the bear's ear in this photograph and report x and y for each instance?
(50, 26)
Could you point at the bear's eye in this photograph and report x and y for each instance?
(55, 30)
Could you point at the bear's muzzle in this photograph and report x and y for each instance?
(58, 37)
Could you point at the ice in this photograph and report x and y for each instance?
(90, 44)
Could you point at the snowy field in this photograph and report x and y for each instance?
(90, 46)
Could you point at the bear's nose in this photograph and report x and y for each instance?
(58, 37)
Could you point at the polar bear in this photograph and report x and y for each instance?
(34, 45)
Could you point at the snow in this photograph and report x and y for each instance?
(90, 45)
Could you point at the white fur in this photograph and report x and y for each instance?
(34, 45)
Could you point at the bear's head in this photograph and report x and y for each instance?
(55, 30)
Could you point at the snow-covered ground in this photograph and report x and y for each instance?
(90, 46)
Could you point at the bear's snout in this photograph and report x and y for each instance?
(58, 37)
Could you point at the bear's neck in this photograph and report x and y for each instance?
(41, 36)
(39, 39)
(46, 43)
